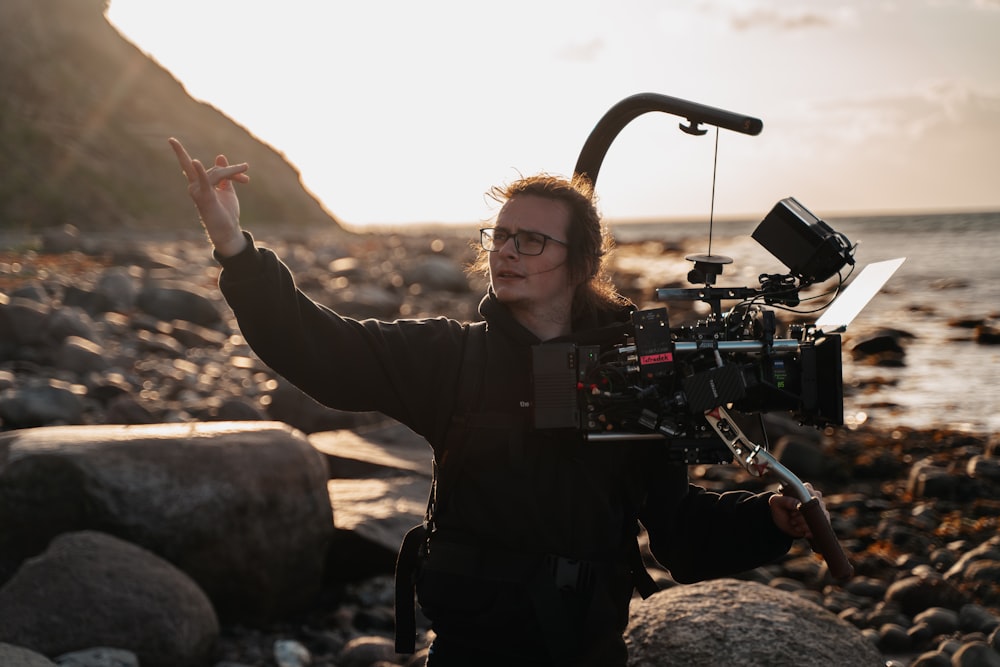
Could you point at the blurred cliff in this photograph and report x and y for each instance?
(84, 121)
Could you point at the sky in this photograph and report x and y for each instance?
(408, 112)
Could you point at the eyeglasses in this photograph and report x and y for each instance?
(526, 243)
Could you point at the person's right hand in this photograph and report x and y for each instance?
(215, 198)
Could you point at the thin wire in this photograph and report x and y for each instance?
(711, 209)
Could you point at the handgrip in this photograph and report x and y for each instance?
(824, 541)
(621, 114)
(757, 460)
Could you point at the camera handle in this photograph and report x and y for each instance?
(617, 117)
(758, 461)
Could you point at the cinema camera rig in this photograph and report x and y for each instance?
(701, 388)
(651, 380)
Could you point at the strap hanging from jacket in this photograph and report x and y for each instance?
(406, 568)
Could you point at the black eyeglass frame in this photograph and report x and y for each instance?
(486, 233)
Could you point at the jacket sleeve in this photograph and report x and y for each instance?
(401, 369)
(699, 534)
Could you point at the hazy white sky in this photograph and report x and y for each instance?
(399, 111)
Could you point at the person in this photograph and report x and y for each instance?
(530, 557)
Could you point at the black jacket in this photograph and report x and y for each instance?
(517, 490)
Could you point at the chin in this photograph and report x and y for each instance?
(506, 295)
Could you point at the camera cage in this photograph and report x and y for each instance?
(652, 379)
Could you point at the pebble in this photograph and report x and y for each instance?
(290, 653)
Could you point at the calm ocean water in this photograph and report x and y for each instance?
(951, 272)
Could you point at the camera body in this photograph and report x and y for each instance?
(651, 379)
(659, 381)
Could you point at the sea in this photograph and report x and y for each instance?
(950, 277)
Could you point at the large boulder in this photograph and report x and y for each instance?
(91, 589)
(241, 507)
(741, 624)
(378, 489)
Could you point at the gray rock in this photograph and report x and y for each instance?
(34, 291)
(883, 348)
(942, 621)
(984, 467)
(984, 570)
(80, 356)
(119, 289)
(159, 343)
(887, 612)
(920, 634)
(867, 587)
(989, 551)
(169, 300)
(60, 240)
(290, 653)
(124, 409)
(893, 638)
(40, 404)
(241, 507)
(918, 593)
(194, 335)
(932, 659)
(99, 657)
(737, 623)
(435, 272)
(976, 654)
(987, 334)
(22, 320)
(977, 618)
(84, 298)
(235, 409)
(65, 322)
(17, 656)
(364, 300)
(91, 589)
(928, 480)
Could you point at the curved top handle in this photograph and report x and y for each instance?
(617, 117)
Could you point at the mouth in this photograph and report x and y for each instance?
(507, 275)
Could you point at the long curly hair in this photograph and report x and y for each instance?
(588, 239)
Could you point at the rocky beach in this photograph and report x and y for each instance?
(105, 330)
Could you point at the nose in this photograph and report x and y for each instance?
(509, 248)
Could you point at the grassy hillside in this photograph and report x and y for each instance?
(84, 121)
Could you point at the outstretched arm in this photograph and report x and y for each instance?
(215, 198)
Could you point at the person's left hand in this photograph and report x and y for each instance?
(787, 517)
(215, 198)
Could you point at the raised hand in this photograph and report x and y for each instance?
(215, 198)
